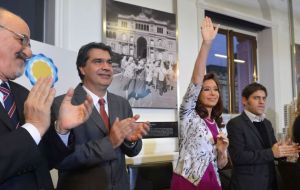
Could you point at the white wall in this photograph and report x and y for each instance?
(296, 13)
(77, 22)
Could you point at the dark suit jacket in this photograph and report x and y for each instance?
(23, 164)
(296, 129)
(253, 165)
(94, 164)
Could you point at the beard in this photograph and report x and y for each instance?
(17, 73)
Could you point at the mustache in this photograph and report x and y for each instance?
(21, 55)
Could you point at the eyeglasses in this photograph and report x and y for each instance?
(25, 41)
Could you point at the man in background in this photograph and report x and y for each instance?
(25, 116)
(101, 143)
(252, 144)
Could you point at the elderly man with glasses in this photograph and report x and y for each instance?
(25, 116)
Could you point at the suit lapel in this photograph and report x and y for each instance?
(252, 127)
(19, 104)
(19, 108)
(5, 119)
(112, 107)
(95, 116)
(79, 97)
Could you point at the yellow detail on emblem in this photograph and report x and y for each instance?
(41, 69)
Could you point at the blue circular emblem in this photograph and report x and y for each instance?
(40, 66)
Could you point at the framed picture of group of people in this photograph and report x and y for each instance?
(144, 44)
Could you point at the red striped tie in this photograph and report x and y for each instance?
(103, 113)
(9, 104)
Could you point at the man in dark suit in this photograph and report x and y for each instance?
(25, 116)
(252, 145)
(101, 143)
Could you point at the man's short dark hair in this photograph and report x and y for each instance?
(251, 88)
(82, 56)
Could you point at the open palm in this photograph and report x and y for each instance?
(70, 115)
(208, 30)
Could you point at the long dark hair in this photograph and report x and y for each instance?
(217, 110)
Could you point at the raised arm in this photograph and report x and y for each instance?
(208, 32)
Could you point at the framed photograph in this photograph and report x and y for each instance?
(145, 54)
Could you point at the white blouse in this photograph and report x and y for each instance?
(196, 145)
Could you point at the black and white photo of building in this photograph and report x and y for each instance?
(145, 59)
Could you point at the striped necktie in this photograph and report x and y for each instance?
(9, 104)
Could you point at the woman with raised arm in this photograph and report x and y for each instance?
(203, 142)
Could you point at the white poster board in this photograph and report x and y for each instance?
(64, 60)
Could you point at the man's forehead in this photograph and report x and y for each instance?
(258, 93)
(15, 23)
(98, 53)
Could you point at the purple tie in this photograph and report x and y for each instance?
(9, 104)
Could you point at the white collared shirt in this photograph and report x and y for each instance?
(96, 99)
(255, 118)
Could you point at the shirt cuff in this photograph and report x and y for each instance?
(33, 131)
(64, 138)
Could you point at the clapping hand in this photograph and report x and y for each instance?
(139, 129)
(71, 116)
(127, 129)
(38, 103)
(281, 149)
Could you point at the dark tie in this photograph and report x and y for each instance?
(9, 104)
(103, 113)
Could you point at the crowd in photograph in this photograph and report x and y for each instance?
(142, 76)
